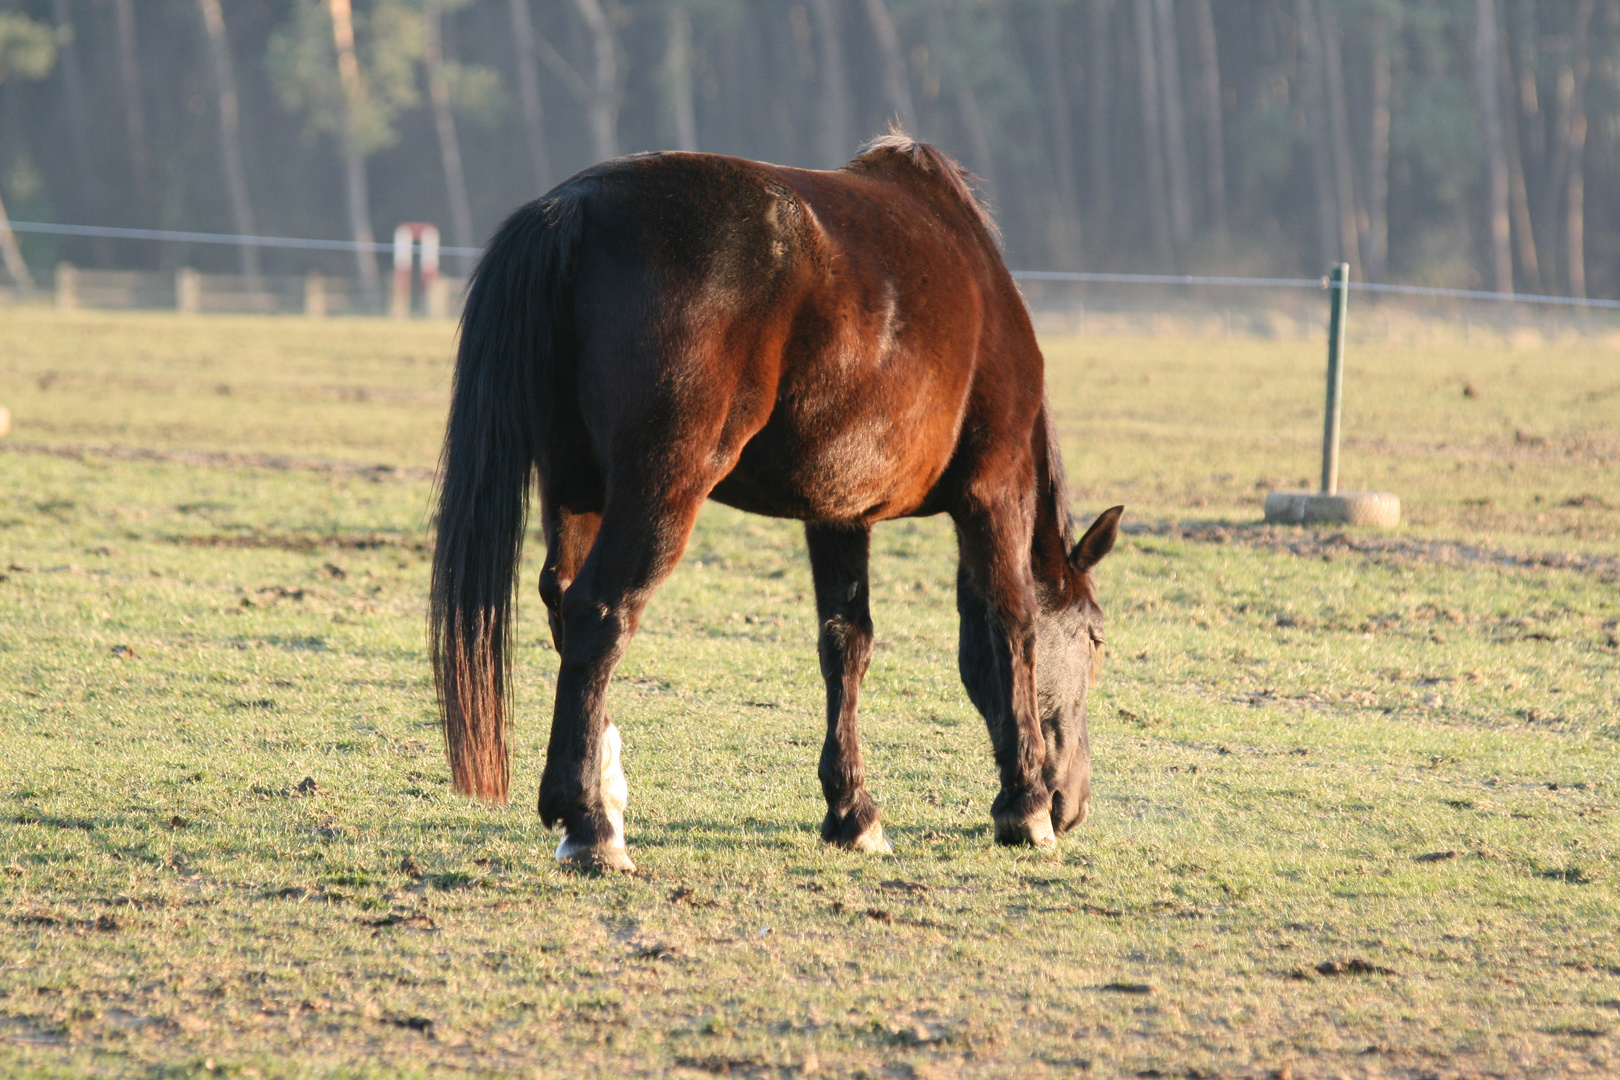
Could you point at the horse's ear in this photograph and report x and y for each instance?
(1098, 541)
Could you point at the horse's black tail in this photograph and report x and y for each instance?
(512, 330)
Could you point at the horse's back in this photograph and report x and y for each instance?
(829, 332)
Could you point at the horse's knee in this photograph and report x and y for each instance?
(592, 628)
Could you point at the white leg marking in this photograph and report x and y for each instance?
(615, 791)
(615, 796)
(873, 841)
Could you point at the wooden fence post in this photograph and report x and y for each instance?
(314, 295)
(187, 290)
(438, 298)
(67, 287)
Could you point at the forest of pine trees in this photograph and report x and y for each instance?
(1467, 143)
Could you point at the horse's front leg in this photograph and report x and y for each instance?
(996, 601)
(637, 544)
(838, 558)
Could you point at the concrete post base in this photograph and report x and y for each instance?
(1374, 509)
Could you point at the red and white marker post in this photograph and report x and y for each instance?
(423, 236)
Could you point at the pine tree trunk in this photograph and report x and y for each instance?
(11, 254)
(78, 120)
(1487, 85)
(1314, 97)
(444, 124)
(604, 103)
(1152, 135)
(230, 134)
(528, 81)
(1378, 153)
(678, 70)
(833, 141)
(896, 84)
(1344, 167)
(1099, 87)
(356, 195)
(1524, 235)
(129, 70)
(1575, 182)
(1066, 232)
(1533, 131)
(1214, 138)
(1175, 126)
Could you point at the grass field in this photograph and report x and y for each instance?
(1356, 794)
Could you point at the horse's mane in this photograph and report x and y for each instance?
(898, 146)
(1057, 480)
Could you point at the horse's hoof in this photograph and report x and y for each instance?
(872, 840)
(604, 858)
(1035, 832)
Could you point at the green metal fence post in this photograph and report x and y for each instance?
(1339, 289)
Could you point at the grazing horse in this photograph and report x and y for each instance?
(839, 347)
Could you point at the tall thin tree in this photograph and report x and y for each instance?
(27, 50)
(1178, 170)
(230, 134)
(1378, 122)
(1487, 86)
(1147, 71)
(528, 82)
(444, 125)
(1536, 142)
(1575, 170)
(1066, 230)
(357, 195)
(73, 98)
(1524, 234)
(1099, 101)
(1314, 98)
(1338, 114)
(1209, 90)
(129, 72)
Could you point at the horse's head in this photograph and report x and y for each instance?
(1068, 654)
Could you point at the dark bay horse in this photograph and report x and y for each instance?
(839, 347)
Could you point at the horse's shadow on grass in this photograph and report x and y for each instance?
(716, 835)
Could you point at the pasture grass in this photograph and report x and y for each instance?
(1355, 795)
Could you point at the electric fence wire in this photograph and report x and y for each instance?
(1078, 277)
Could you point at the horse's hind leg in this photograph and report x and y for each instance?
(838, 559)
(996, 600)
(638, 542)
(569, 537)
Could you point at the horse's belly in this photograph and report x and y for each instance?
(869, 471)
